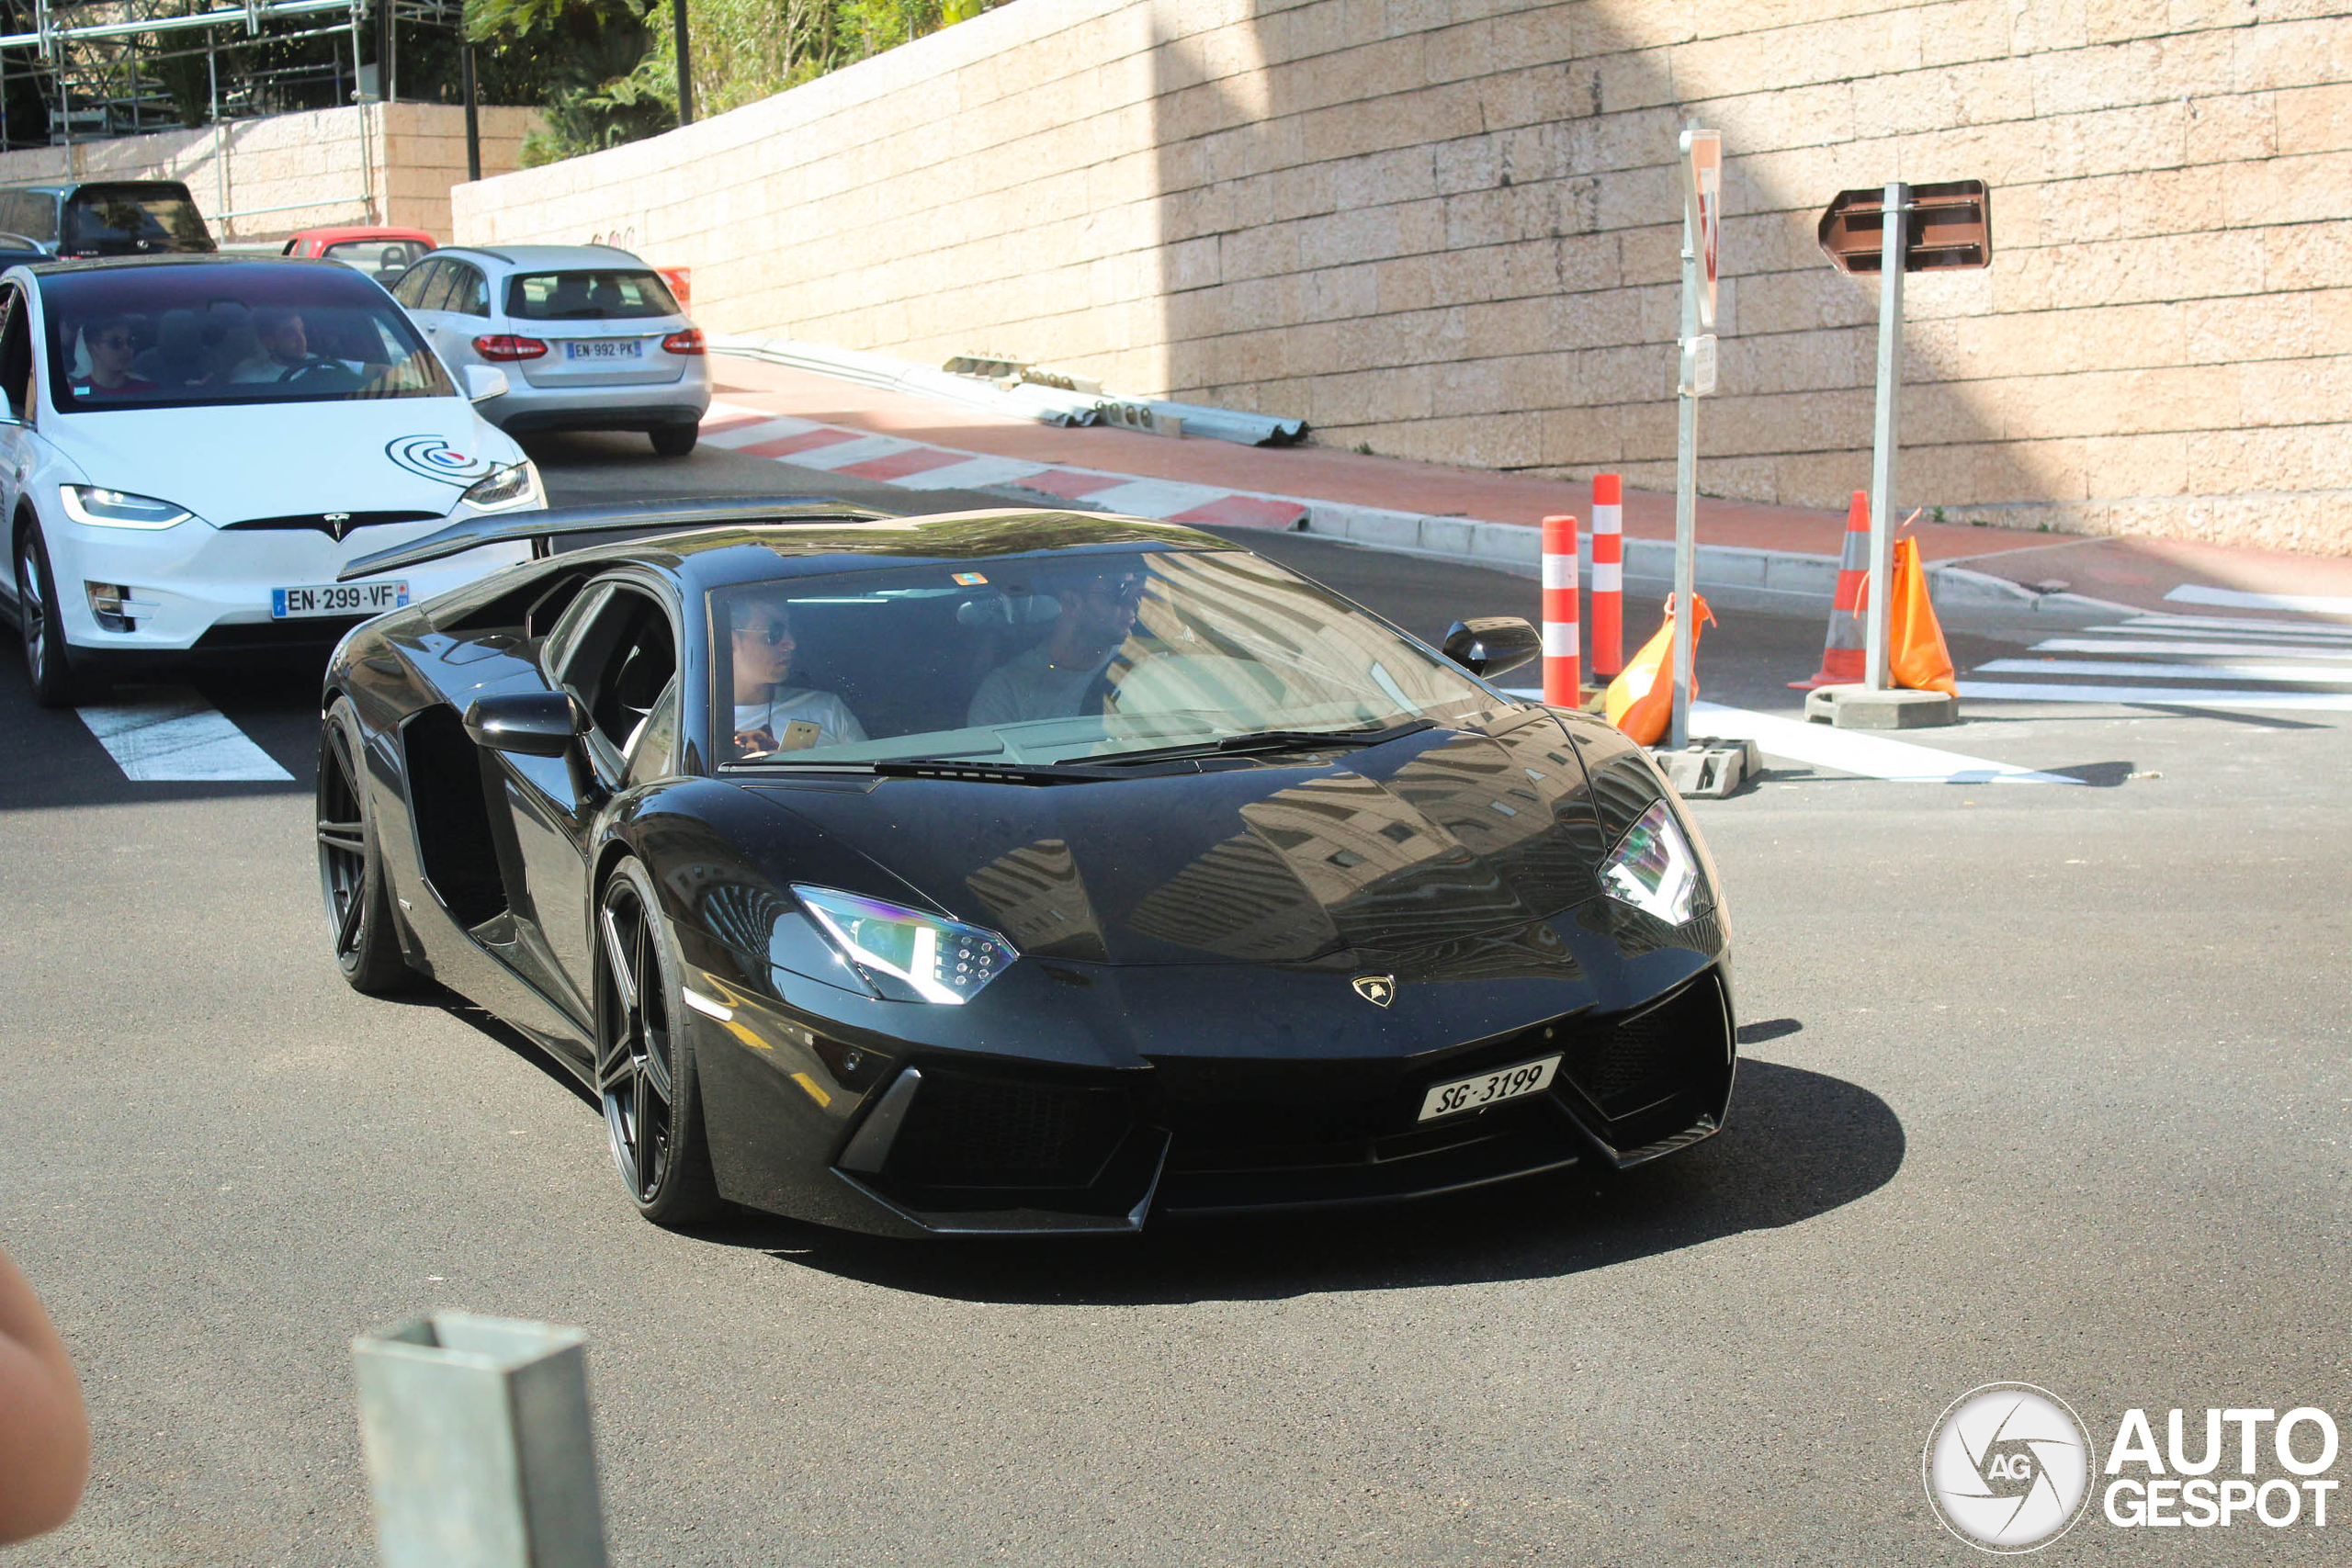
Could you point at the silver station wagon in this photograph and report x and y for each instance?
(590, 337)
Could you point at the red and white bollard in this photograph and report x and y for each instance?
(1608, 575)
(1562, 676)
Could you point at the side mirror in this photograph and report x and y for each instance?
(484, 382)
(530, 724)
(1490, 645)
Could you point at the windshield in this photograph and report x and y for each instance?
(1063, 658)
(132, 221)
(603, 294)
(228, 332)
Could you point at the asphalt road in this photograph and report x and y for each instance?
(2042, 1083)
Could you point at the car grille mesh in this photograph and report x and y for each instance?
(1623, 1066)
(969, 1131)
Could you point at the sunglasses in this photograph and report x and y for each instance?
(771, 635)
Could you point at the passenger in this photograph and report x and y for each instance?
(285, 348)
(178, 359)
(765, 708)
(1051, 680)
(111, 349)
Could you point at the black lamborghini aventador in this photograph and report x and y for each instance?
(1015, 872)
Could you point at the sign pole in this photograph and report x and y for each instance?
(1695, 377)
(1894, 218)
(1686, 495)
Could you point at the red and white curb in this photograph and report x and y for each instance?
(918, 466)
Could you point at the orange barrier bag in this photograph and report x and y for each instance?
(1641, 700)
(1915, 654)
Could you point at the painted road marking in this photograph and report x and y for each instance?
(2215, 650)
(2157, 697)
(1858, 751)
(2143, 625)
(2237, 599)
(172, 734)
(1847, 750)
(971, 473)
(2299, 675)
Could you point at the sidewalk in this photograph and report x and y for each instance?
(1758, 552)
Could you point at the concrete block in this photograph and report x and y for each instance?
(1857, 708)
(1709, 768)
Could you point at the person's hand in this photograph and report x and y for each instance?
(45, 1438)
(750, 742)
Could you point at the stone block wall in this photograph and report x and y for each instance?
(378, 164)
(1449, 228)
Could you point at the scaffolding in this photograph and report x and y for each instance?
(108, 67)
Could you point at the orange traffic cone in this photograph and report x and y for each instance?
(1841, 655)
(1641, 700)
(1915, 654)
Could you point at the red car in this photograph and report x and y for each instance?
(382, 253)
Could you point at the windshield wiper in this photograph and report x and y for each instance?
(1264, 740)
(989, 773)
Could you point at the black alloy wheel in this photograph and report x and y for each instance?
(37, 618)
(351, 870)
(644, 1064)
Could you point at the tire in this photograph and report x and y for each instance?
(351, 866)
(674, 440)
(48, 660)
(645, 1062)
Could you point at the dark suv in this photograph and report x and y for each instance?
(104, 218)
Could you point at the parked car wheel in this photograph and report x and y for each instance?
(46, 657)
(674, 440)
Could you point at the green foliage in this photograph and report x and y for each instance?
(607, 70)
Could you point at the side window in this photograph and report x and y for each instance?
(17, 353)
(657, 741)
(564, 635)
(619, 667)
(412, 288)
(440, 294)
(470, 295)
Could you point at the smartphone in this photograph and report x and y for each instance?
(797, 736)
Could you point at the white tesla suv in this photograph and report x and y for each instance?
(193, 446)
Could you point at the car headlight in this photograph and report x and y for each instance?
(118, 509)
(1653, 867)
(905, 954)
(517, 484)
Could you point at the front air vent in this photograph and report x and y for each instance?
(966, 1130)
(334, 525)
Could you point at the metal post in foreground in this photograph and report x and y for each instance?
(1893, 220)
(685, 72)
(477, 1434)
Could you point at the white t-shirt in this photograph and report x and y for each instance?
(836, 725)
(1025, 687)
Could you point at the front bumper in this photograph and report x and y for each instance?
(197, 585)
(1043, 1143)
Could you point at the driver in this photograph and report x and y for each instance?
(765, 708)
(1051, 680)
(285, 346)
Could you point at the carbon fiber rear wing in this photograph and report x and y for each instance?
(661, 517)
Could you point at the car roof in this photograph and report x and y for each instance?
(552, 258)
(181, 258)
(361, 231)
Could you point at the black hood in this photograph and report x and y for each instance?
(1444, 850)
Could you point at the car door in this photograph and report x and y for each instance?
(419, 291)
(18, 453)
(617, 651)
(465, 315)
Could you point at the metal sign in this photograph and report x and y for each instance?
(1698, 367)
(1948, 226)
(1702, 200)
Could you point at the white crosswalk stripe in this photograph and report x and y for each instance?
(2240, 665)
(169, 734)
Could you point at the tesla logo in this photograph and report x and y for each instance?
(1377, 989)
(338, 522)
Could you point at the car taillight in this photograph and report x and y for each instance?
(505, 345)
(687, 342)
